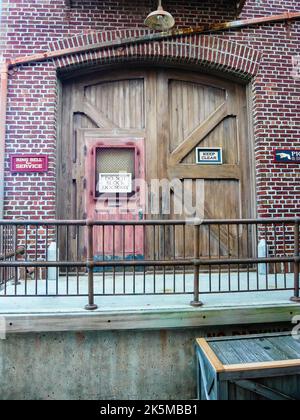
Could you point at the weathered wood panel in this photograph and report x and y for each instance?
(262, 367)
(190, 105)
(174, 112)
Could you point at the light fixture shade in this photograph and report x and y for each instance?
(160, 20)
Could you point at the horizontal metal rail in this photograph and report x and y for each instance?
(148, 263)
(169, 222)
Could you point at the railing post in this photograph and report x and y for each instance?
(196, 302)
(90, 265)
(296, 297)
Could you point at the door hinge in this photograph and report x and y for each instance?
(84, 183)
(85, 150)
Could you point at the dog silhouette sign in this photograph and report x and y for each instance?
(287, 156)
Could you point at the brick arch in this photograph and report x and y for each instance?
(207, 51)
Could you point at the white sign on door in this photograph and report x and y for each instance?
(209, 156)
(114, 183)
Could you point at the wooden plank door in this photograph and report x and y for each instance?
(195, 110)
(170, 113)
(108, 111)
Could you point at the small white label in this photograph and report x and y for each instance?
(113, 183)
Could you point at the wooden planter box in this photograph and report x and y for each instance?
(261, 367)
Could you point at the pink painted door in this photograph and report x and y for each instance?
(115, 171)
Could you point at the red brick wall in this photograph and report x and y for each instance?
(29, 26)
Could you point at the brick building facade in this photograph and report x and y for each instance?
(263, 55)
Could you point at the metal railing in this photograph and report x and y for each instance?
(7, 250)
(152, 257)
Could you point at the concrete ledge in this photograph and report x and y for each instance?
(149, 319)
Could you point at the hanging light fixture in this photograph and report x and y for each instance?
(160, 20)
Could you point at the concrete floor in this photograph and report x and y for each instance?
(105, 286)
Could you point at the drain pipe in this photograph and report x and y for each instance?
(3, 107)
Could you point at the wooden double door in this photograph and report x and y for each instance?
(168, 114)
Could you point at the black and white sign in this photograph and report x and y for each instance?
(115, 183)
(209, 156)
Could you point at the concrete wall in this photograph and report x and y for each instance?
(105, 365)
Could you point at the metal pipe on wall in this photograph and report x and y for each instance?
(3, 110)
(122, 42)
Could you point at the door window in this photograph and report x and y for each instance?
(114, 161)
